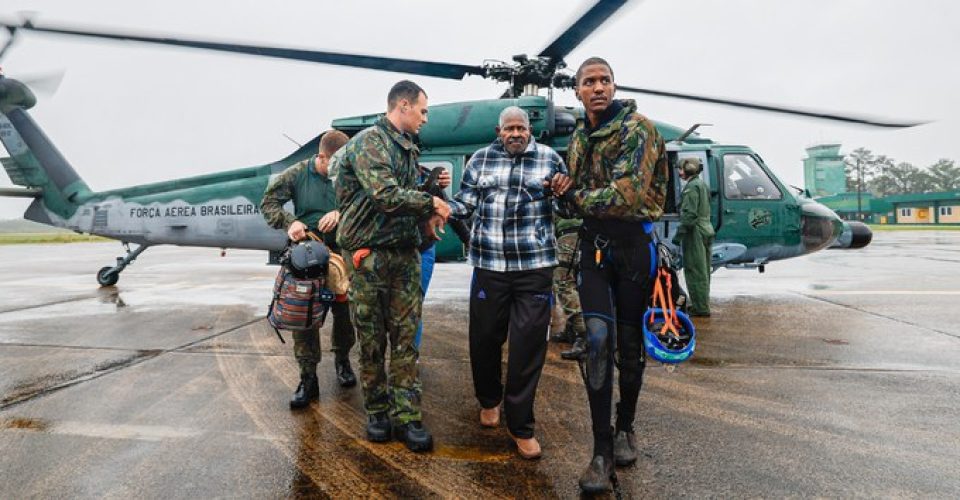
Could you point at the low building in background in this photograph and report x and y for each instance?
(872, 210)
(927, 208)
(913, 208)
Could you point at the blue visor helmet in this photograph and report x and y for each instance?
(666, 346)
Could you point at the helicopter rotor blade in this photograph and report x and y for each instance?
(581, 29)
(809, 113)
(411, 66)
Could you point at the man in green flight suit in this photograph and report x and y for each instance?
(377, 192)
(309, 187)
(695, 236)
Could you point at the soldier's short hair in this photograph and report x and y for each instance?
(331, 141)
(514, 111)
(404, 89)
(590, 62)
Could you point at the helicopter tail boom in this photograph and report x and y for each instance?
(36, 164)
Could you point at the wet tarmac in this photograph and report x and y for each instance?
(833, 375)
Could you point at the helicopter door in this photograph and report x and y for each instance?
(449, 244)
(753, 206)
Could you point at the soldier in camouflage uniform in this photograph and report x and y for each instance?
(618, 164)
(309, 187)
(565, 289)
(377, 192)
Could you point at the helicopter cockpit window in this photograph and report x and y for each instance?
(744, 179)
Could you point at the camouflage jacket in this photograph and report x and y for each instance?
(695, 208)
(377, 190)
(619, 171)
(567, 225)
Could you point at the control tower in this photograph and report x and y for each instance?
(823, 170)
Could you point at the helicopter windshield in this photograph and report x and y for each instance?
(744, 179)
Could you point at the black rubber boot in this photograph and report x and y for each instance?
(599, 475)
(598, 478)
(345, 376)
(624, 441)
(307, 391)
(624, 448)
(578, 349)
(414, 435)
(378, 428)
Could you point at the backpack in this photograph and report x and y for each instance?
(300, 296)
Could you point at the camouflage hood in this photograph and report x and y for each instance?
(619, 170)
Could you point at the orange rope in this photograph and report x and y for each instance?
(665, 300)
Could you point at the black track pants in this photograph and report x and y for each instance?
(614, 295)
(514, 305)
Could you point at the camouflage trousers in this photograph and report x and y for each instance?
(306, 343)
(385, 300)
(565, 282)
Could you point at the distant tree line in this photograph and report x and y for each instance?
(884, 176)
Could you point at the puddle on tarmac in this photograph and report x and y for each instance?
(703, 361)
(836, 341)
(110, 295)
(471, 453)
(30, 424)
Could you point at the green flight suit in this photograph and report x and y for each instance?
(696, 238)
(313, 196)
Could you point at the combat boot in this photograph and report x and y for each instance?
(307, 391)
(565, 336)
(414, 435)
(345, 376)
(378, 427)
(624, 448)
(577, 350)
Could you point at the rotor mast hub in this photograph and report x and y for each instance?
(527, 75)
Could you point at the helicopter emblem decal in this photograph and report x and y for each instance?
(759, 217)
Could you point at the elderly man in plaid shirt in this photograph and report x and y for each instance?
(509, 186)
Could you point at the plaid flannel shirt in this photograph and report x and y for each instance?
(513, 228)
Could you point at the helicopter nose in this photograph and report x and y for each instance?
(854, 235)
(819, 227)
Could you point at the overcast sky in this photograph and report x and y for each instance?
(132, 113)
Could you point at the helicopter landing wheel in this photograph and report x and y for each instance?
(107, 276)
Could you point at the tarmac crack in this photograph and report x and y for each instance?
(39, 388)
(51, 303)
(878, 315)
